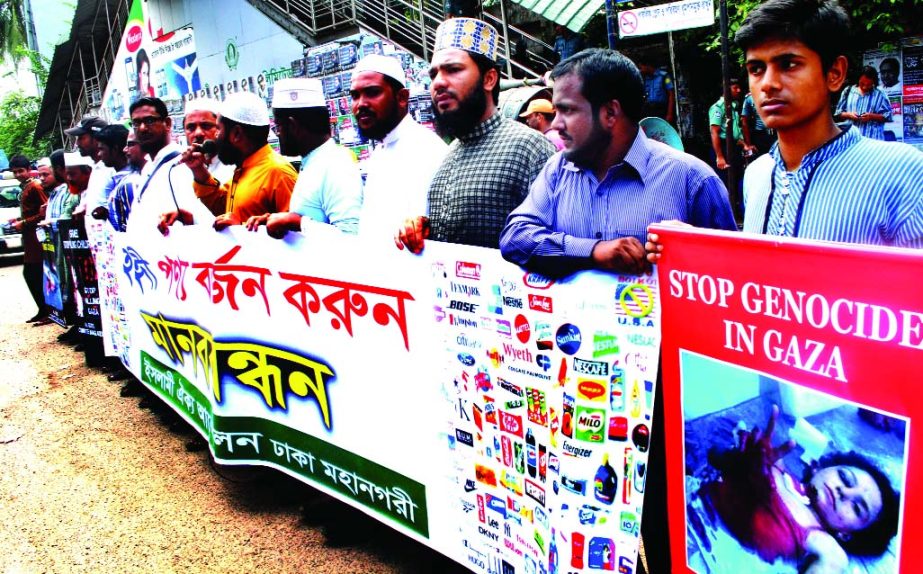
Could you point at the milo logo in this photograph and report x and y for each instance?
(589, 424)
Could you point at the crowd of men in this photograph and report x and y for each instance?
(500, 184)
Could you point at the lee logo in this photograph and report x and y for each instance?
(467, 270)
(540, 303)
(463, 306)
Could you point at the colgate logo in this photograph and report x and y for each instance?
(133, 38)
(467, 270)
(536, 281)
(540, 303)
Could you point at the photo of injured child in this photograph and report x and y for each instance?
(780, 478)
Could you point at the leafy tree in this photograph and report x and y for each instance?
(18, 116)
(12, 28)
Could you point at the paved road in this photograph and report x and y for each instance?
(90, 482)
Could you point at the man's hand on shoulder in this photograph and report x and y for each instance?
(625, 255)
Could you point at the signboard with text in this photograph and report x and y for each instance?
(666, 18)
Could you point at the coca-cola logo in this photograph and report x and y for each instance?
(133, 38)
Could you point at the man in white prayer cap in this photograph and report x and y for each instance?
(201, 124)
(263, 181)
(401, 168)
(329, 187)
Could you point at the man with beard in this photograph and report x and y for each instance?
(110, 142)
(165, 184)
(400, 170)
(591, 205)
(124, 194)
(263, 181)
(329, 187)
(492, 162)
(200, 124)
(32, 197)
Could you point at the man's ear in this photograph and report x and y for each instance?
(491, 77)
(836, 74)
(609, 113)
(169, 123)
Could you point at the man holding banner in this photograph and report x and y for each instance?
(590, 206)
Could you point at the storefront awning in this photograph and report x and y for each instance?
(572, 14)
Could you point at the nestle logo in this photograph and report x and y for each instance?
(536, 281)
(467, 270)
(540, 303)
(513, 302)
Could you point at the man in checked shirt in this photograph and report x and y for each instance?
(492, 162)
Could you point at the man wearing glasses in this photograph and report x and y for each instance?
(124, 194)
(165, 187)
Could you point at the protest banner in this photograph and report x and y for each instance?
(54, 273)
(767, 341)
(495, 415)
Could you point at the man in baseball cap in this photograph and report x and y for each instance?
(263, 181)
(492, 162)
(329, 187)
(86, 132)
(538, 115)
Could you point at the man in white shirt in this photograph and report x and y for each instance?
(200, 124)
(165, 184)
(85, 132)
(329, 186)
(399, 171)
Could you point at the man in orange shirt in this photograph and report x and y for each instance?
(263, 180)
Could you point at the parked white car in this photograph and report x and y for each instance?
(10, 241)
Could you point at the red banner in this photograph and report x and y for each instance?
(789, 377)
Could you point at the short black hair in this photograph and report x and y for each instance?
(484, 65)
(890, 60)
(156, 103)
(871, 73)
(606, 75)
(57, 159)
(821, 25)
(734, 81)
(20, 161)
(254, 134)
(873, 540)
(315, 120)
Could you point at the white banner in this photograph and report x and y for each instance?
(666, 18)
(499, 417)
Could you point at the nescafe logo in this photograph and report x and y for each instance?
(523, 330)
(133, 38)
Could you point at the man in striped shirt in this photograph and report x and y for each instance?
(865, 106)
(591, 205)
(819, 182)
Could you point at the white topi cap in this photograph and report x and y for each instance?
(202, 105)
(384, 65)
(298, 93)
(245, 108)
(75, 159)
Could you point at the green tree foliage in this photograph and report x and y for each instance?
(18, 116)
(12, 28)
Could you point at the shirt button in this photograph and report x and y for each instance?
(599, 235)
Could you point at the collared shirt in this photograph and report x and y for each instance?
(852, 189)
(874, 102)
(657, 87)
(485, 175)
(400, 171)
(122, 197)
(30, 204)
(262, 184)
(165, 186)
(717, 117)
(569, 211)
(98, 186)
(61, 203)
(329, 188)
(749, 111)
(220, 171)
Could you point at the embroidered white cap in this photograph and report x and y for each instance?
(298, 93)
(203, 105)
(245, 108)
(74, 159)
(384, 65)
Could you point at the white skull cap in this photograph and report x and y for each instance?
(384, 65)
(298, 93)
(245, 108)
(74, 159)
(203, 105)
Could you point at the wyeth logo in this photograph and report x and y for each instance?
(467, 270)
(133, 38)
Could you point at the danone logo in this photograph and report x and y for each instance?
(467, 270)
(133, 38)
(536, 281)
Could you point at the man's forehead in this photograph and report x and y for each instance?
(367, 79)
(143, 111)
(450, 56)
(778, 47)
(199, 115)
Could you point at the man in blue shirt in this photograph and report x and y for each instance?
(865, 106)
(659, 92)
(591, 205)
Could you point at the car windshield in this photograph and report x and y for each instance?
(9, 197)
